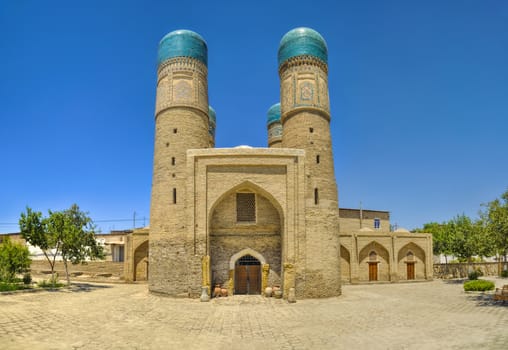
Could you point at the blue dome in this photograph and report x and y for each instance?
(302, 41)
(273, 114)
(183, 43)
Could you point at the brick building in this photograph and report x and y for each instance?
(247, 218)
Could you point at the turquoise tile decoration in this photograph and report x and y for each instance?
(302, 41)
(211, 121)
(273, 114)
(183, 43)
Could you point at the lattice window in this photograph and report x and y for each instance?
(248, 260)
(245, 207)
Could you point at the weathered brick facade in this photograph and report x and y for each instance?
(285, 231)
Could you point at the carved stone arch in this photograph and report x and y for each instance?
(243, 252)
(376, 247)
(141, 262)
(248, 186)
(418, 251)
(374, 270)
(345, 264)
(344, 253)
(418, 269)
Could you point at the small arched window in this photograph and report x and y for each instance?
(410, 256)
(373, 256)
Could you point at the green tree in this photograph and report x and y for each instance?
(469, 238)
(69, 233)
(495, 219)
(14, 258)
(442, 238)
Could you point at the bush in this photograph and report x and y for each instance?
(52, 283)
(27, 278)
(473, 275)
(478, 286)
(14, 258)
(9, 287)
(504, 273)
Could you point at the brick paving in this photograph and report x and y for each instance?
(428, 315)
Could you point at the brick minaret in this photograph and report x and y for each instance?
(181, 123)
(305, 117)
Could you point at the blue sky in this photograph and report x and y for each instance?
(418, 93)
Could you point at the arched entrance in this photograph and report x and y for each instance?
(141, 262)
(345, 265)
(411, 258)
(374, 263)
(247, 275)
(245, 221)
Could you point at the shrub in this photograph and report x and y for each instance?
(473, 275)
(14, 258)
(52, 283)
(478, 286)
(7, 287)
(27, 278)
(504, 273)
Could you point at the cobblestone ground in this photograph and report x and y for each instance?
(431, 315)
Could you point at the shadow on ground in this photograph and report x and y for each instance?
(86, 287)
(486, 299)
(455, 281)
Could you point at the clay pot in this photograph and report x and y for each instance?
(277, 294)
(268, 292)
(223, 292)
(216, 291)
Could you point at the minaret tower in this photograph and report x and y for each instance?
(305, 117)
(181, 123)
(274, 127)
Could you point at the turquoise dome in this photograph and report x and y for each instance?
(302, 41)
(273, 114)
(183, 43)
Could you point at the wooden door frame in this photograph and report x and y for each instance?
(373, 263)
(412, 263)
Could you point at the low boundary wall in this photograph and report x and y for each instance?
(89, 269)
(461, 270)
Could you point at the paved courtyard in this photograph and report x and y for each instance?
(429, 315)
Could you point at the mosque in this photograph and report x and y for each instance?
(247, 218)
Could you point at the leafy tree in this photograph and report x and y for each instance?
(469, 238)
(69, 233)
(442, 238)
(14, 258)
(495, 219)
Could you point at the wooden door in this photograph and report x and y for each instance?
(253, 279)
(248, 279)
(411, 271)
(373, 271)
(241, 279)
